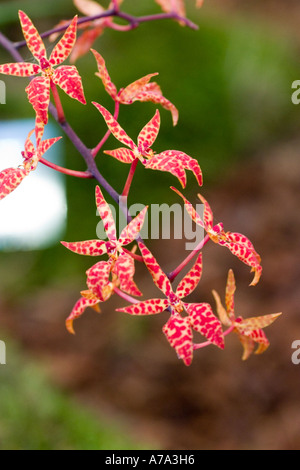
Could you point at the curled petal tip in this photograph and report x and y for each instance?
(69, 326)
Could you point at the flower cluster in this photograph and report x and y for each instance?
(116, 273)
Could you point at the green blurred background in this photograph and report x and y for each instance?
(231, 81)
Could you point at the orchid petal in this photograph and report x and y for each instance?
(190, 280)
(163, 162)
(123, 154)
(88, 247)
(206, 323)
(32, 37)
(124, 269)
(158, 99)
(149, 133)
(69, 80)
(63, 48)
(115, 127)
(98, 280)
(106, 215)
(190, 209)
(179, 334)
(10, 180)
(104, 75)
(128, 94)
(130, 233)
(148, 307)
(79, 309)
(159, 277)
(38, 92)
(20, 69)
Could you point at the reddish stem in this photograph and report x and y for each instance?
(130, 178)
(95, 151)
(133, 255)
(60, 112)
(66, 171)
(182, 265)
(208, 343)
(125, 296)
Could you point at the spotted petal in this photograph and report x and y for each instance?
(104, 75)
(206, 323)
(179, 334)
(69, 80)
(98, 280)
(123, 154)
(124, 269)
(20, 69)
(222, 313)
(88, 247)
(229, 294)
(32, 37)
(106, 215)
(149, 133)
(254, 323)
(10, 180)
(128, 94)
(63, 48)
(241, 247)
(46, 144)
(79, 309)
(163, 162)
(132, 230)
(38, 92)
(190, 209)
(157, 98)
(159, 277)
(115, 127)
(190, 280)
(148, 307)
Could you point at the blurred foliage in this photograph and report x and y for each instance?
(35, 415)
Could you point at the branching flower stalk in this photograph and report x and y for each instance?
(115, 274)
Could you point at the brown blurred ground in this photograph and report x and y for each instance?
(131, 373)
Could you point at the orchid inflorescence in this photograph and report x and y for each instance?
(115, 274)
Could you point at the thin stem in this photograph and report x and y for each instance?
(98, 147)
(130, 178)
(193, 253)
(133, 255)
(125, 296)
(60, 112)
(66, 171)
(208, 343)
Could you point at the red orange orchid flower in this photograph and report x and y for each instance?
(120, 264)
(172, 161)
(11, 178)
(237, 243)
(65, 76)
(178, 329)
(139, 90)
(249, 330)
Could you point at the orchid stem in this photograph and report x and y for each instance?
(182, 265)
(125, 296)
(208, 343)
(60, 112)
(66, 171)
(130, 178)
